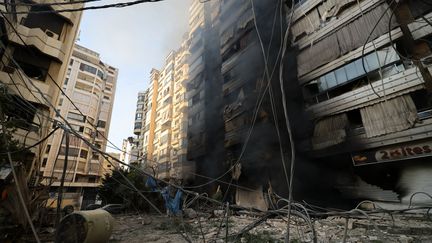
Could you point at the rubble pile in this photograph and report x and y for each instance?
(205, 227)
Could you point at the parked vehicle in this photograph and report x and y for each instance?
(93, 206)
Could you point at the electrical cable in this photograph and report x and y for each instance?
(114, 5)
(47, 4)
(31, 146)
(17, 185)
(287, 120)
(367, 40)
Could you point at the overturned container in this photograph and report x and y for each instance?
(92, 226)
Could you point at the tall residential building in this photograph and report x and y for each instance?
(91, 85)
(367, 87)
(129, 153)
(205, 139)
(180, 166)
(34, 51)
(142, 108)
(161, 118)
(150, 121)
(111, 164)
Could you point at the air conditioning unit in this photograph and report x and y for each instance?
(51, 34)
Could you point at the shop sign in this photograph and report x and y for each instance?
(393, 153)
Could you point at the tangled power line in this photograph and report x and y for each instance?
(301, 210)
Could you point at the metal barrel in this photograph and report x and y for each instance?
(92, 226)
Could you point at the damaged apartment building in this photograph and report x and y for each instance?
(357, 83)
(236, 122)
(34, 49)
(364, 69)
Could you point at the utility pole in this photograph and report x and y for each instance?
(416, 49)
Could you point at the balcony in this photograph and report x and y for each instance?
(357, 140)
(401, 83)
(39, 39)
(31, 94)
(70, 17)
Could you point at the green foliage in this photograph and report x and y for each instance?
(115, 189)
(7, 128)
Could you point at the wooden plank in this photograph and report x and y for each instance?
(335, 24)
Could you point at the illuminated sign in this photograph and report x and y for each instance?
(394, 153)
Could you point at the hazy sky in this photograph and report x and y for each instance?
(134, 39)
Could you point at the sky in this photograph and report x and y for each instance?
(134, 39)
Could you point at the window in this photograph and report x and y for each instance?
(34, 64)
(60, 102)
(48, 148)
(140, 106)
(50, 23)
(66, 81)
(106, 97)
(71, 62)
(44, 162)
(88, 68)
(100, 74)
(76, 117)
(138, 125)
(73, 152)
(83, 154)
(101, 124)
(138, 116)
(323, 88)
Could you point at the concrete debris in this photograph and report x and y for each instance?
(404, 229)
(190, 213)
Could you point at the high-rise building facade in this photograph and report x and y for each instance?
(34, 50)
(161, 117)
(91, 85)
(366, 83)
(142, 109)
(179, 165)
(205, 139)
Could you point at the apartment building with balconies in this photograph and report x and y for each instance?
(364, 68)
(180, 166)
(34, 49)
(140, 128)
(91, 85)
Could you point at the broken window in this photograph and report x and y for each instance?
(34, 64)
(340, 80)
(51, 23)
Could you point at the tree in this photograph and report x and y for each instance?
(115, 189)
